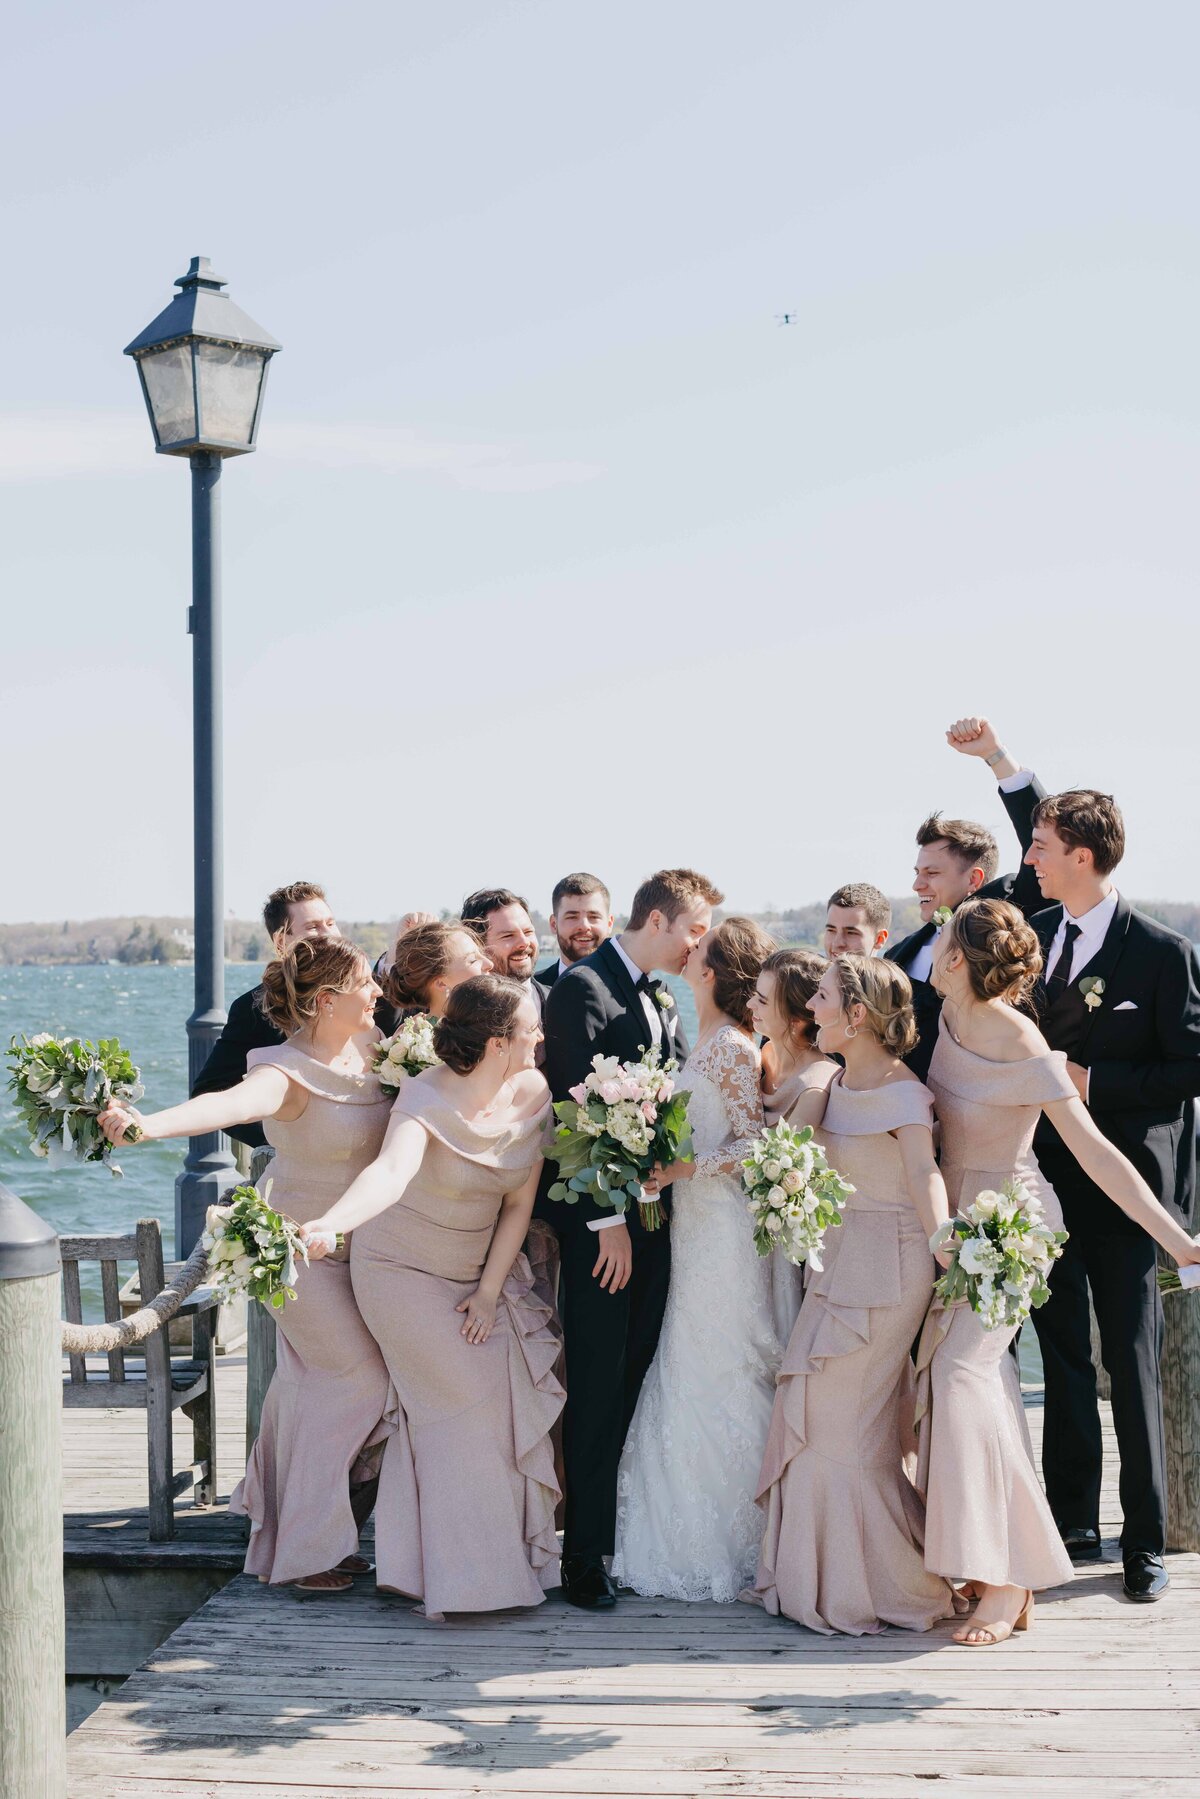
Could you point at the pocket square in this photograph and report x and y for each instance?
(1126, 1005)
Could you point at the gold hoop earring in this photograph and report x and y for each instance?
(851, 1030)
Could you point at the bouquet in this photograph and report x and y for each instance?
(794, 1194)
(61, 1085)
(252, 1249)
(407, 1053)
(619, 1121)
(1003, 1252)
(1179, 1280)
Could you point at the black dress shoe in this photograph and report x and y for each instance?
(1082, 1545)
(1145, 1577)
(586, 1584)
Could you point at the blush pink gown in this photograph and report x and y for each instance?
(842, 1546)
(465, 1514)
(987, 1517)
(325, 1406)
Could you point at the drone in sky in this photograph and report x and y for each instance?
(787, 318)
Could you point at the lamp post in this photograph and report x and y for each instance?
(203, 368)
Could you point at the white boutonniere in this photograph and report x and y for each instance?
(942, 916)
(1092, 989)
(665, 1000)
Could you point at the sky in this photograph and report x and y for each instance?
(558, 550)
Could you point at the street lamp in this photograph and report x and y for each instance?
(203, 368)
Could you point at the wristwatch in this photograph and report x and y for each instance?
(997, 755)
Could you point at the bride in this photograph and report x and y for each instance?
(687, 1523)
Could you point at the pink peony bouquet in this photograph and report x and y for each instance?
(620, 1120)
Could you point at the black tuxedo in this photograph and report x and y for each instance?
(1020, 889)
(610, 1338)
(247, 1027)
(1141, 1045)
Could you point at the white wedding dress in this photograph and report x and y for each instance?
(687, 1523)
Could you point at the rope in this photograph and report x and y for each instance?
(98, 1339)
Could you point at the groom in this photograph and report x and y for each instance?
(613, 1283)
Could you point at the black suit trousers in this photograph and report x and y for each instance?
(610, 1339)
(1120, 1270)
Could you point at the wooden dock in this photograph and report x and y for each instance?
(265, 1695)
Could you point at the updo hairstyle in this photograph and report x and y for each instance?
(886, 992)
(735, 951)
(420, 956)
(294, 982)
(476, 1011)
(797, 976)
(1002, 954)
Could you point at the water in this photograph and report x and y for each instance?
(147, 1008)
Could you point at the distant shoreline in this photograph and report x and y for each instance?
(146, 941)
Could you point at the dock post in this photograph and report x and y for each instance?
(33, 1723)
(1181, 1416)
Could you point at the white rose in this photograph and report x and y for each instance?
(774, 1223)
(986, 1205)
(792, 1181)
(777, 1197)
(772, 1170)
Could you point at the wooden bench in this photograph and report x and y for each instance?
(159, 1382)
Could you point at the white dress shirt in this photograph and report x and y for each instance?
(921, 966)
(1093, 929)
(654, 1019)
(650, 1005)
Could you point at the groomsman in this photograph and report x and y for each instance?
(858, 919)
(298, 910)
(1121, 996)
(956, 859)
(502, 920)
(581, 919)
(613, 1288)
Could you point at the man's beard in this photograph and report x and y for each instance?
(508, 969)
(569, 953)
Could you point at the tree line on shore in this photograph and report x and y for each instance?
(142, 940)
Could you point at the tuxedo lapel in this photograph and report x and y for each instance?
(621, 983)
(1102, 967)
(906, 952)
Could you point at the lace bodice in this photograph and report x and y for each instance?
(726, 1107)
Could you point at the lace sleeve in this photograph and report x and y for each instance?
(732, 1063)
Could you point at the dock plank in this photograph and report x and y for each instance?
(262, 1695)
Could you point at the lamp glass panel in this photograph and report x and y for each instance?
(229, 383)
(168, 376)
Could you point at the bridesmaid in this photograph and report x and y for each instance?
(795, 1081)
(993, 1075)
(428, 962)
(465, 1519)
(842, 1545)
(306, 1491)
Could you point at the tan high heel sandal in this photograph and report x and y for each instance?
(989, 1634)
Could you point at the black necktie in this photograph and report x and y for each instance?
(1061, 972)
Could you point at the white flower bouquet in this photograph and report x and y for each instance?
(252, 1249)
(61, 1085)
(1003, 1252)
(620, 1120)
(407, 1053)
(795, 1196)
